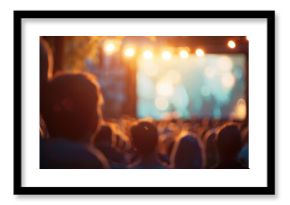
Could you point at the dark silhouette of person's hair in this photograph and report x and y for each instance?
(210, 148)
(104, 142)
(104, 135)
(72, 116)
(229, 143)
(245, 136)
(188, 153)
(73, 104)
(244, 153)
(144, 137)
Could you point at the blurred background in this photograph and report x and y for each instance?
(162, 76)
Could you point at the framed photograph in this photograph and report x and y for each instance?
(144, 102)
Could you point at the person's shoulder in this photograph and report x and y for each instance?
(64, 154)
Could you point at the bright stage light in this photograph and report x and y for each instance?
(231, 44)
(148, 54)
(166, 55)
(110, 47)
(129, 52)
(183, 53)
(199, 52)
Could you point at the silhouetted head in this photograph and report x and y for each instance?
(73, 106)
(104, 135)
(228, 141)
(209, 138)
(188, 154)
(144, 137)
(210, 148)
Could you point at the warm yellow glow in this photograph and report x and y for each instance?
(148, 54)
(161, 103)
(110, 47)
(166, 55)
(199, 52)
(240, 109)
(231, 44)
(228, 80)
(164, 88)
(183, 53)
(129, 52)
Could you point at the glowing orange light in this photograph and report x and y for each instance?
(166, 55)
(183, 53)
(148, 54)
(110, 47)
(199, 52)
(240, 109)
(231, 44)
(129, 52)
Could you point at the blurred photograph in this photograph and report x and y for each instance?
(144, 102)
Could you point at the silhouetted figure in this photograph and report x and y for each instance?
(72, 115)
(229, 144)
(104, 143)
(244, 153)
(187, 154)
(210, 149)
(145, 140)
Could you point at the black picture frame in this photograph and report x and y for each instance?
(269, 189)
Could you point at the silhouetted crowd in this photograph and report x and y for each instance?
(74, 135)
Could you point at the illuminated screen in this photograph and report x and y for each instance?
(211, 86)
